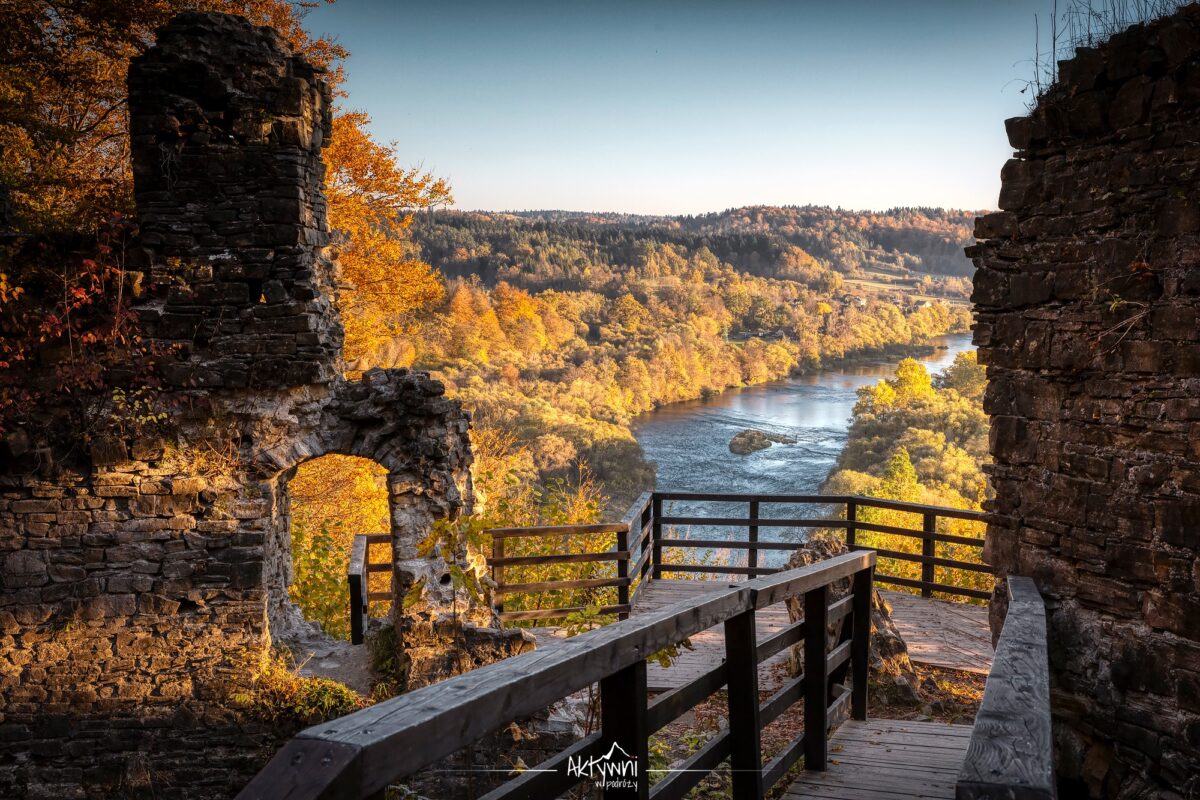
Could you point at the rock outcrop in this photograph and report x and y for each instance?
(893, 679)
(752, 440)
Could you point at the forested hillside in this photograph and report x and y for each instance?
(559, 328)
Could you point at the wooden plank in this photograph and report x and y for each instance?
(769, 591)
(681, 780)
(917, 508)
(728, 544)
(1010, 753)
(776, 704)
(670, 706)
(784, 760)
(893, 580)
(860, 596)
(559, 558)
(927, 560)
(557, 530)
(779, 641)
(551, 613)
(552, 586)
(874, 502)
(874, 760)
(633, 517)
(356, 581)
(741, 669)
(623, 724)
(708, 647)
(941, 633)
(742, 522)
(913, 533)
(744, 498)
(714, 569)
(548, 778)
(816, 605)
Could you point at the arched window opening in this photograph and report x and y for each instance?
(333, 499)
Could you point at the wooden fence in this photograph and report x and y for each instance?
(358, 576)
(360, 754)
(640, 540)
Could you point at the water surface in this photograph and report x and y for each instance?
(690, 441)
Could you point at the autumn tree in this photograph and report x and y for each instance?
(65, 154)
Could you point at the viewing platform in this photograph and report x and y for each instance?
(739, 628)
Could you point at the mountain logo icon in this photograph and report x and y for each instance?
(616, 769)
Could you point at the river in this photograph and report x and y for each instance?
(690, 441)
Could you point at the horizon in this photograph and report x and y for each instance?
(617, 108)
(711, 212)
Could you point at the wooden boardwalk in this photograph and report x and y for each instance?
(708, 648)
(938, 633)
(943, 634)
(884, 759)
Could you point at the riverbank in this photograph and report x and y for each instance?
(688, 441)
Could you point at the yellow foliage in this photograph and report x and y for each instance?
(333, 499)
(371, 203)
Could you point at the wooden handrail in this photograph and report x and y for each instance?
(640, 540)
(360, 754)
(1010, 754)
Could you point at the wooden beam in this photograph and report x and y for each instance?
(356, 580)
(816, 678)
(555, 586)
(1011, 750)
(741, 522)
(560, 558)
(552, 613)
(741, 667)
(624, 725)
(557, 530)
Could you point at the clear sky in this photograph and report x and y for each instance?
(666, 107)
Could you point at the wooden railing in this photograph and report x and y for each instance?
(358, 576)
(362, 753)
(640, 540)
(1010, 756)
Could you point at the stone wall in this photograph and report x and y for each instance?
(137, 582)
(1088, 306)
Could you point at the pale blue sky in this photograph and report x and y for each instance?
(686, 107)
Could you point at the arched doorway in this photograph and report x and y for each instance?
(331, 500)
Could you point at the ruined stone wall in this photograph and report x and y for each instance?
(1088, 306)
(139, 582)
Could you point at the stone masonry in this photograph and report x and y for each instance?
(1088, 306)
(135, 585)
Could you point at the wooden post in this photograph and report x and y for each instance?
(498, 571)
(741, 665)
(860, 643)
(623, 571)
(656, 537)
(851, 528)
(816, 678)
(624, 724)
(928, 549)
(356, 577)
(752, 553)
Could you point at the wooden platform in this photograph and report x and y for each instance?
(708, 647)
(943, 634)
(938, 633)
(887, 760)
